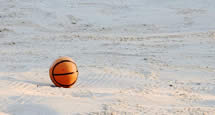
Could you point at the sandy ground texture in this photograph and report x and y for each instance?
(134, 57)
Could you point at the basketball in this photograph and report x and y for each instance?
(63, 72)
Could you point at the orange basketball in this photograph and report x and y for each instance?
(64, 72)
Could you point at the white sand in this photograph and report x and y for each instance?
(134, 56)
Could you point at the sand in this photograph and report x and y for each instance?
(134, 57)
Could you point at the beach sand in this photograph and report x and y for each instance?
(134, 57)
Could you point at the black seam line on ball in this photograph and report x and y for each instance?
(64, 74)
(54, 74)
